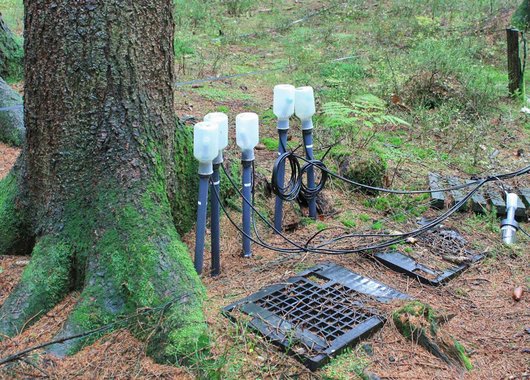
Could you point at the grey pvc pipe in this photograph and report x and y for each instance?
(308, 144)
(283, 128)
(247, 210)
(215, 224)
(202, 209)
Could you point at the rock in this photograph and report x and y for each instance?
(368, 349)
(12, 131)
(517, 293)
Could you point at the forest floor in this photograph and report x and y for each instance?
(486, 320)
(439, 69)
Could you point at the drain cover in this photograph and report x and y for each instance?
(317, 313)
(446, 257)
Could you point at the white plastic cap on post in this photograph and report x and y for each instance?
(247, 132)
(283, 104)
(511, 200)
(221, 119)
(304, 103)
(205, 145)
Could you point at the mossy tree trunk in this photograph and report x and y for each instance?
(11, 53)
(104, 174)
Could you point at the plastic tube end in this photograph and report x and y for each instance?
(512, 200)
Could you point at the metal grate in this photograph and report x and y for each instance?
(329, 313)
(445, 246)
(318, 313)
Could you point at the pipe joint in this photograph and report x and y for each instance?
(248, 155)
(307, 125)
(205, 168)
(283, 124)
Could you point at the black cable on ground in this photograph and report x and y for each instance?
(320, 249)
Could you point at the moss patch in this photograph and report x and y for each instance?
(184, 206)
(13, 233)
(45, 281)
(421, 324)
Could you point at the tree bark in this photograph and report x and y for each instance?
(12, 131)
(103, 172)
(11, 53)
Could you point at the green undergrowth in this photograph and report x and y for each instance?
(400, 207)
(348, 365)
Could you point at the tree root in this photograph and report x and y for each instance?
(15, 238)
(131, 259)
(44, 283)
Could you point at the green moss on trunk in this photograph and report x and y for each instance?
(136, 262)
(14, 233)
(184, 197)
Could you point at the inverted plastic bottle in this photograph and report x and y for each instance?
(283, 103)
(247, 133)
(221, 119)
(205, 145)
(305, 105)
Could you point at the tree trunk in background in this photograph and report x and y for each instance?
(11, 53)
(101, 173)
(12, 131)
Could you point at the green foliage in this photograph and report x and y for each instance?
(238, 7)
(358, 119)
(400, 207)
(348, 365)
(223, 94)
(11, 54)
(453, 74)
(182, 48)
(270, 143)
(229, 195)
(191, 12)
(342, 79)
(521, 17)
(348, 219)
(367, 168)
